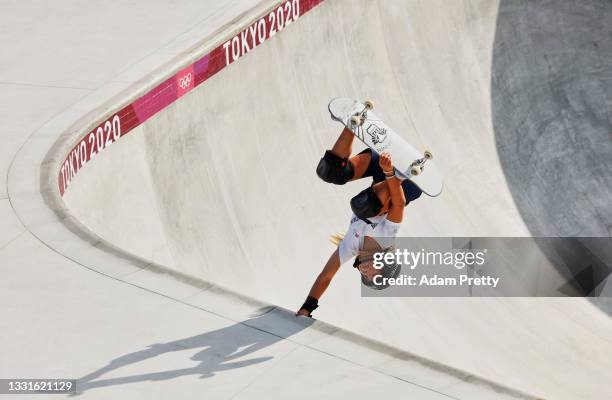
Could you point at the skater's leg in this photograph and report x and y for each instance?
(366, 165)
(376, 199)
(361, 163)
(344, 145)
(411, 191)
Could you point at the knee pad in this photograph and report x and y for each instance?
(334, 169)
(366, 204)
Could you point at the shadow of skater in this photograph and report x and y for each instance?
(217, 350)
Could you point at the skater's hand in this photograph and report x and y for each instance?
(385, 163)
(302, 312)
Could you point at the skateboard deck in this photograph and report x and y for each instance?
(409, 163)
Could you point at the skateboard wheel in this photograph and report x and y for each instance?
(368, 104)
(416, 170)
(356, 120)
(428, 154)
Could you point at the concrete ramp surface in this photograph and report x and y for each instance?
(211, 171)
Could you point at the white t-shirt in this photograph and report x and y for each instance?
(380, 228)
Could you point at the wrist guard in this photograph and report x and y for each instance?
(310, 305)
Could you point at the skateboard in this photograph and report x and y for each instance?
(408, 162)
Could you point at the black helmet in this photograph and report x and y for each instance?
(388, 271)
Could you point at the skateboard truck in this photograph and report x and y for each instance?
(418, 165)
(359, 118)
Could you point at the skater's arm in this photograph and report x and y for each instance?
(321, 284)
(325, 277)
(398, 200)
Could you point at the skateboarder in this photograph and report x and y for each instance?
(336, 167)
(382, 209)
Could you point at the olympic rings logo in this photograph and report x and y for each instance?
(185, 81)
